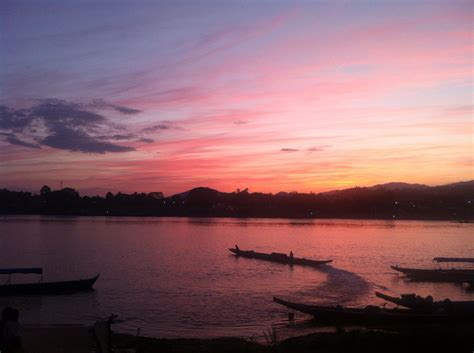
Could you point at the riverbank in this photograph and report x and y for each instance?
(78, 339)
(57, 339)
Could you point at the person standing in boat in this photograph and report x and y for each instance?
(237, 247)
(291, 256)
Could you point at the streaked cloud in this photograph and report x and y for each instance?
(271, 96)
(64, 125)
(78, 141)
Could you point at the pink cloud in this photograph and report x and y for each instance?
(380, 101)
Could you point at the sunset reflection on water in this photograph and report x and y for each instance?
(174, 277)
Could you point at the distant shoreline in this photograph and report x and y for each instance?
(461, 221)
(452, 202)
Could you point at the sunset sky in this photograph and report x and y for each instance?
(267, 95)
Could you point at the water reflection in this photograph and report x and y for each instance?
(342, 286)
(174, 277)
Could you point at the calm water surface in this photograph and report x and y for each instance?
(173, 277)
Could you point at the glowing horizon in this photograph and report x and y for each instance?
(271, 96)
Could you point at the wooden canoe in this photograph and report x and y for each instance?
(412, 301)
(372, 314)
(278, 257)
(437, 275)
(43, 288)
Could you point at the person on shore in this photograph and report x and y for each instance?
(6, 313)
(12, 332)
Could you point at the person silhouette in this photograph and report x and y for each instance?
(6, 315)
(12, 332)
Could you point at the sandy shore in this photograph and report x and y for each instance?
(78, 339)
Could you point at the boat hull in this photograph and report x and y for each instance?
(423, 305)
(279, 258)
(437, 275)
(454, 259)
(49, 288)
(372, 315)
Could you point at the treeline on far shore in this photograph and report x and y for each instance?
(386, 201)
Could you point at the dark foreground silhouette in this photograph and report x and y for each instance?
(410, 339)
(387, 201)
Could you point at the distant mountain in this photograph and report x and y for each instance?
(401, 186)
(282, 194)
(392, 186)
(460, 184)
(202, 191)
(385, 201)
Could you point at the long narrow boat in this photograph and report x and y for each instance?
(454, 259)
(437, 275)
(373, 314)
(63, 287)
(412, 301)
(278, 257)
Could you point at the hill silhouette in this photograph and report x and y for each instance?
(384, 201)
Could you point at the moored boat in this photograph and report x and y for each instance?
(373, 314)
(437, 275)
(60, 287)
(454, 259)
(416, 302)
(278, 257)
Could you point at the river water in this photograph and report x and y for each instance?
(174, 277)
